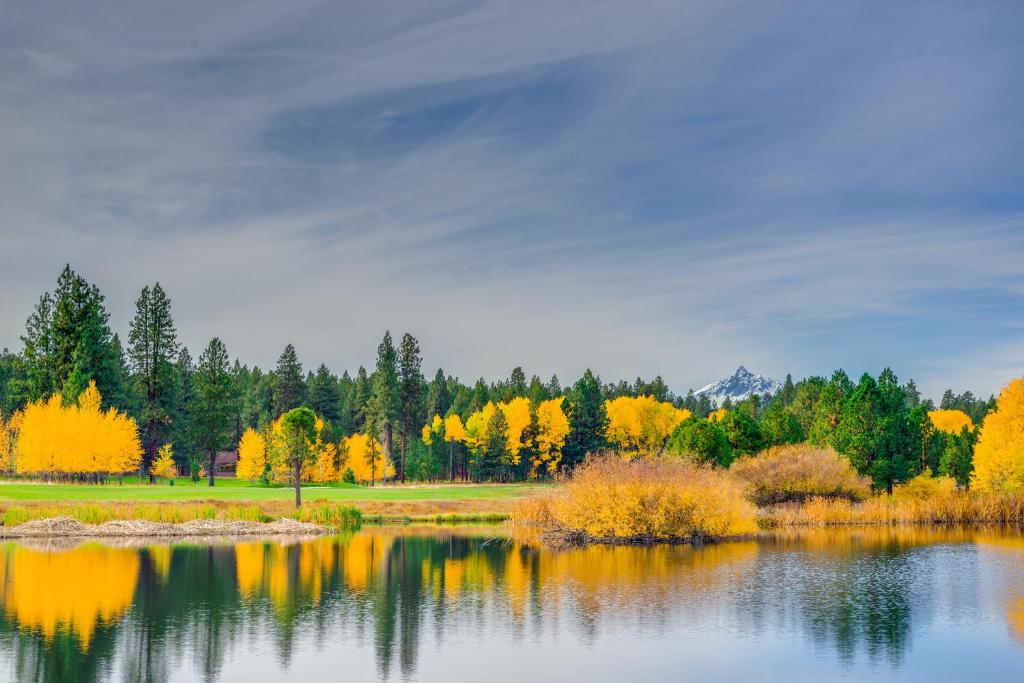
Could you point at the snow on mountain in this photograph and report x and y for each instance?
(742, 384)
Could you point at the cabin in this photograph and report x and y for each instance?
(225, 464)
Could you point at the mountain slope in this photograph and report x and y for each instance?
(742, 384)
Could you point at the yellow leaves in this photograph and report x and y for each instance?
(70, 591)
(609, 498)
(454, 429)
(435, 428)
(552, 428)
(163, 465)
(718, 415)
(641, 424)
(999, 455)
(8, 437)
(79, 438)
(252, 455)
(517, 416)
(950, 421)
(364, 457)
(476, 425)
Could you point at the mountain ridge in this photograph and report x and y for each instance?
(740, 385)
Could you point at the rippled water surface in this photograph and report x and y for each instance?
(434, 604)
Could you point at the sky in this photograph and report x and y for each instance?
(644, 187)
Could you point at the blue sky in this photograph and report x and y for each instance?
(644, 187)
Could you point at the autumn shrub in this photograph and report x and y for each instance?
(608, 499)
(944, 505)
(797, 473)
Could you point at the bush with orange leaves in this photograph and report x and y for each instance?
(797, 473)
(611, 500)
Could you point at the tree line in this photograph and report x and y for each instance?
(440, 428)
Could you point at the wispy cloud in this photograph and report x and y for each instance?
(639, 187)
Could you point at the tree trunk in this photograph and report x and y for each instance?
(298, 483)
(451, 469)
(401, 467)
(213, 467)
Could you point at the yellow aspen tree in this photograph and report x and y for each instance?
(163, 464)
(640, 425)
(999, 455)
(476, 426)
(363, 455)
(517, 416)
(552, 430)
(718, 415)
(454, 432)
(950, 421)
(252, 455)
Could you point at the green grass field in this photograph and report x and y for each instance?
(235, 490)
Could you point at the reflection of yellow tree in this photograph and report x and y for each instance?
(69, 592)
(266, 569)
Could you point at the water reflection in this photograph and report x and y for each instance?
(834, 600)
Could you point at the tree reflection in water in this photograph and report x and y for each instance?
(89, 612)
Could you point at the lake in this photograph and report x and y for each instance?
(464, 604)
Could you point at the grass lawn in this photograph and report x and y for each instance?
(234, 490)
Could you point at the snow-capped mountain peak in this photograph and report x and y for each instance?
(741, 385)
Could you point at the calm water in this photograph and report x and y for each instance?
(460, 605)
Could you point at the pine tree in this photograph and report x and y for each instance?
(383, 406)
(153, 349)
(554, 387)
(410, 395)
(494, 452)
(358, 400)
(185, 452)
(588, 420)
(323, 392)
(517, 383)
(439, 398)
(40, 351)
(289, 387)
(81, 339)
(537, 392)
(213, 404)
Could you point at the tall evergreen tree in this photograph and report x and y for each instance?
(213, 403)
(153, 349)
(40, 352)
(358, 400)
(588, 421)
(323, 394)
(410, 395)
(289, 387)
(554, 387)
(384, 404)
(82, 340)
(439, 397)
(184, 445)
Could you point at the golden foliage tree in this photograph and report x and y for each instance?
(8, 438)
(252, 455)
(641, 424)
(999, 455)
(363, 455)
(76, 439)
(950, 421)
(552, 429)
(163, 464)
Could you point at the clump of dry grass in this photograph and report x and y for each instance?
(914, 504)
(319, 512)
(797, 473)
(611, 500)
